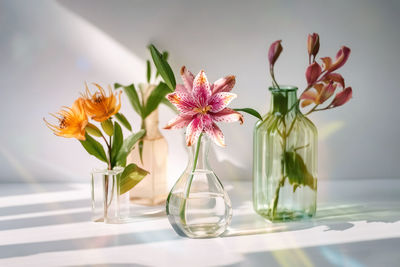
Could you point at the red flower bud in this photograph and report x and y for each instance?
(274, 51)
(312, 73)
(313, 44)
(342, 98)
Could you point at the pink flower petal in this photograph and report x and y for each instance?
(312, 73)
(306, 102)
(215, 133)
(343, 97)
(224, 84)
(178, 122)
(227, 115)
(201, 88)
(183, 102)
(187, 78)
(310, 95)
(220, 100)
(327, 62)
(341, 58)
(327, 92)
(336, 77)
(180, 88)
(194, 129)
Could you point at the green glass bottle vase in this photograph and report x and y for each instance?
(285, 160)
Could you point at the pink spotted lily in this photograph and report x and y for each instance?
(201, 105)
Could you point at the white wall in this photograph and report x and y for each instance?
(48, 49)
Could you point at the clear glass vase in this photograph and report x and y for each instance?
(152, 190)
(285, 160)
(198, 206)
(108, 204)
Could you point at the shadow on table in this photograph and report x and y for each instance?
(51, 206)
(17, 189)
(382, 252)
(140, 213)
(335, 218)
(20, 250)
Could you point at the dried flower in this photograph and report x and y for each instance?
(71, 121)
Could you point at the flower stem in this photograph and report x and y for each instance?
(189, 182)
(274, 83)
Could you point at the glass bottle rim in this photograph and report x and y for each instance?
(114, 171)
(283, 88)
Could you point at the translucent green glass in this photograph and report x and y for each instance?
(285, 160)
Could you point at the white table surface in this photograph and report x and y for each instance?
(357, 224)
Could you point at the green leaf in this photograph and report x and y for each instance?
(148, 71)
(168, 104)
(93, 130)
(165, 57)
(108, 127)
(122, 119)
(127, 146)
(163, 67)
(297, 172)
(250, 111)
(155, 98)
(130, 177)
(117, 142)
(133, 97)
(94, 148)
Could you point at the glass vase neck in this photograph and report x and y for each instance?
(202, 156)
(284, 99)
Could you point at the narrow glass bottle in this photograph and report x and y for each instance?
(198, 206)
(152, 190)
(285, 160)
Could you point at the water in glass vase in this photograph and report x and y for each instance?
(285, 160)
(198, 206)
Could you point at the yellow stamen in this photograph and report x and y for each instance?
(202, 110)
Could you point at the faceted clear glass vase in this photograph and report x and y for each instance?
(197, 205)
(285, 160)
(108, 204)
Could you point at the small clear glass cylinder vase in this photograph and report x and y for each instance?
(198, 205)
(285, 160)
(108, 204)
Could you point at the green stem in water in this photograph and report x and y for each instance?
(283, 163)
(189, 182)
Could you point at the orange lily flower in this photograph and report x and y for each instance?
(71, 121)
(99, 106)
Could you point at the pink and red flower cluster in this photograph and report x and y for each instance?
(322, 82)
